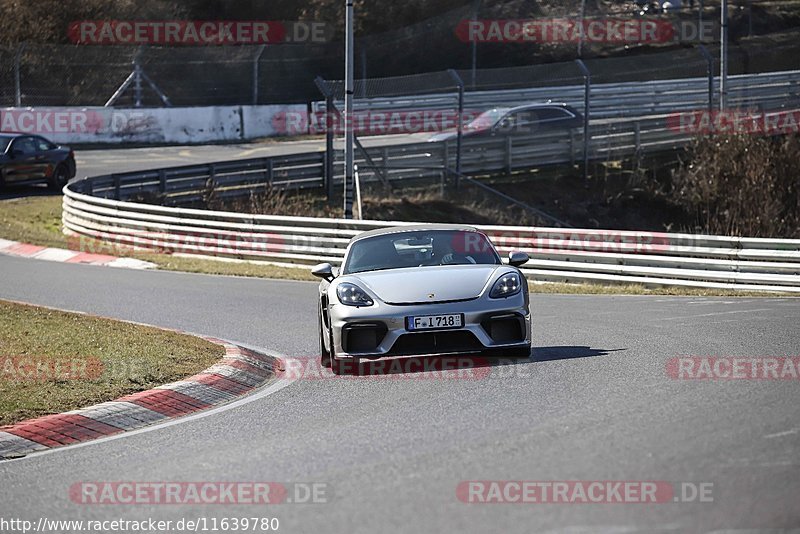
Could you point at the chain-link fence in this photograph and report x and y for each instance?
(764, 37)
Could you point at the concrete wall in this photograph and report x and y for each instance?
(148, 125)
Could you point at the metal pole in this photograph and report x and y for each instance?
(700, 15)
(459, 124)
(723, 62)
(587, 79)
(17, 74)
(349, 160)
(710, 71)
(256, 73)
(363, 71)
(330, 109)
(580, 40)
(475, 7)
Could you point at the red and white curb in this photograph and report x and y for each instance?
(237, 374)
(24, 250)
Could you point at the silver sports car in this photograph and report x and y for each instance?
(422, 290)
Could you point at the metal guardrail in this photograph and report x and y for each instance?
(612, 257)
(616, 100)
(96, 208)
(176, 186)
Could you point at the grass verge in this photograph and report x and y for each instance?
(53, 361)
(37, 220)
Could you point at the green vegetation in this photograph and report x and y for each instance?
(52, 361)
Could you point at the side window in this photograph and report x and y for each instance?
(554, 114)
(526, 120)
(43, 145)
(24, 145)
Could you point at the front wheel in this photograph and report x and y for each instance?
(59, 178)
(325, 354)
(344, 367)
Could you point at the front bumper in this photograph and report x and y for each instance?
(380, 330)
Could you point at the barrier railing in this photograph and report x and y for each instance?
(612, 257)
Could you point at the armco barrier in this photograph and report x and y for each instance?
(602, 256)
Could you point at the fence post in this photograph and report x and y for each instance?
(459, 122)
(710, 71)
(18, 75)
(256, 65)
(330, 110)
(587, 80)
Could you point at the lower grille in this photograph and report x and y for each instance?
(363, 337)
(505, 328)
(435, 343)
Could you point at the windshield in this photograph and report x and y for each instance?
(420, 249)
(486, 120)
(5, 140)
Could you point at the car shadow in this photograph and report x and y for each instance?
(472, 365)
(549, 354)
(13, 191)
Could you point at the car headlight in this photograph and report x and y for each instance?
(352, 295)
(507, 285)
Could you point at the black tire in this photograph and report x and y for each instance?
(325, 354)
(340, 367)
(59, 178)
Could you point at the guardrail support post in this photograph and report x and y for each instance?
(459, 122)
(587, 80)
(710, 71)
(271, 171)
(162, 181)
(117, 187)
(509, 153)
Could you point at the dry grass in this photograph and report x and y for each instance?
(52, 361)
(742, 185)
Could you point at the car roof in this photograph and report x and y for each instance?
(413, 228)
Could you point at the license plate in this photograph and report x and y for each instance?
(435, 322)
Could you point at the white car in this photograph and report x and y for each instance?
(422, 290)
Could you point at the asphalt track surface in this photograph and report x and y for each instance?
(593, 402)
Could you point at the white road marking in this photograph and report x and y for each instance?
(714, 314)
(258, 395)
(781, 434)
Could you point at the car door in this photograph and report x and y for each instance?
(22, 160)
(45, 159)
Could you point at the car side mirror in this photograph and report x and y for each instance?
(324, 271)
(515, 259)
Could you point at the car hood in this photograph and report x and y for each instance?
(426, 284)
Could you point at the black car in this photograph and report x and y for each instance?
(520, 120)
(31, 158)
